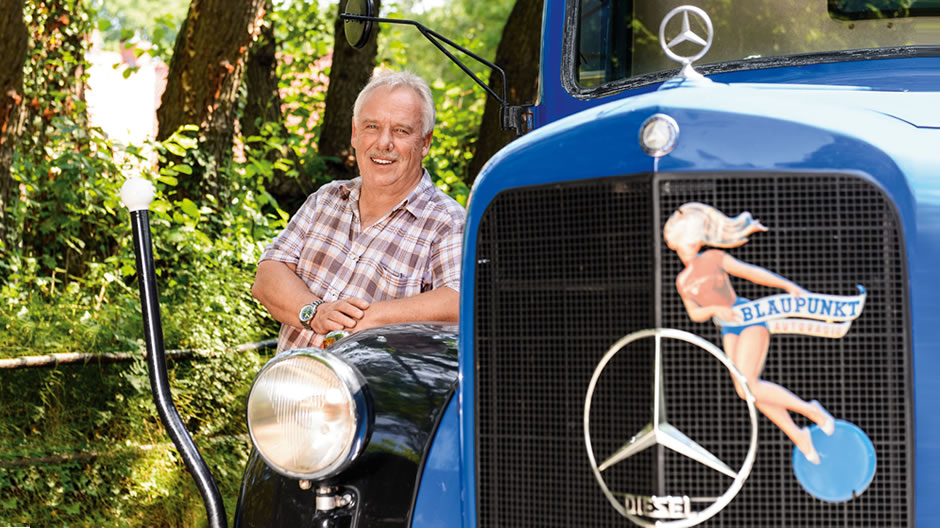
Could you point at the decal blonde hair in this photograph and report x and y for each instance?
(717, 230)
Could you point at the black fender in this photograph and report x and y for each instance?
(411, 373)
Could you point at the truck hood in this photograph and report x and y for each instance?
(736, 126)
(920, 109)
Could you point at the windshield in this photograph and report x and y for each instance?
(868, 9)
(618, 39)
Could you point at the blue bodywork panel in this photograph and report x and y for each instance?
(885, 136)
(438, 504)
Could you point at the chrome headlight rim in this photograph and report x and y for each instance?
(357, 388)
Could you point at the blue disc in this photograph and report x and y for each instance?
(847, 463)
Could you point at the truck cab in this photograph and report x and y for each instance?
(820, 119)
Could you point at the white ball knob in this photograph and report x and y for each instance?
(137, 193)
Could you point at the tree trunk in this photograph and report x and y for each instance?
(263, 105)
(205, 74)
(518, 56)
(54, 121)
(13, 47)
(262, 100)
(350, 71)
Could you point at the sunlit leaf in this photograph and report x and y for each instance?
(189, 207)
(160, 206)
(167, 179)
(174, 148)
(182, 168)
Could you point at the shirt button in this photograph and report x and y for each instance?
(353, 257)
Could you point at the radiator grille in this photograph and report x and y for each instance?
(564, 271)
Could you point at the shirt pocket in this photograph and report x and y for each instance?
(399, 281)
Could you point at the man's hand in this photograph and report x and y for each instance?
(339, 315)
(441, 305)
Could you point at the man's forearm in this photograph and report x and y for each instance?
(281, 291)
(441, 304)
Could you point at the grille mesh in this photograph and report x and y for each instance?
(565, 270)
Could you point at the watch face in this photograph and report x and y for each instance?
(306, 312)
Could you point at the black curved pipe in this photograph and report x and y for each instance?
(159, 383)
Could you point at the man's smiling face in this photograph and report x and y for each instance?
(387, 136)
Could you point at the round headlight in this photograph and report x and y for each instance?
(308, 414)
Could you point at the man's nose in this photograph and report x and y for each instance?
(385, 138)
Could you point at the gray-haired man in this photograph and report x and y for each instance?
(379, 249)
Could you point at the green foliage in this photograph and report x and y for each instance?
(68, 197)
(64, 169)
(474, 25)
(154, 22)
(304, 34)
(55, 65)
(458, 121)
(873, 8)
(103, 416)
(82, 255)
(82, 445)
(120, 469)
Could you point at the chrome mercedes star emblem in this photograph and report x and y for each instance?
(667, 511)
(686, 35)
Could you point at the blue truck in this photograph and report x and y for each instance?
(578, 388)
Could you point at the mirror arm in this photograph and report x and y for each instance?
(512, 117)
(434, 37)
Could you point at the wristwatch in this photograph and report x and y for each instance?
(307, 312)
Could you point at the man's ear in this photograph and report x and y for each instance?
(427, 144)
(352, 137)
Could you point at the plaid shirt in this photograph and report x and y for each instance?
(414, 248)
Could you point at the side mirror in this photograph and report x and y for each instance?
(358, 30)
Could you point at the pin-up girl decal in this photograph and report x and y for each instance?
(705, 288)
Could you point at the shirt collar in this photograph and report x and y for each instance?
(415, 203)
(351, 189)
(420, 196)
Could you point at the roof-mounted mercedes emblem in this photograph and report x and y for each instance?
(686, 35)
(667, 511)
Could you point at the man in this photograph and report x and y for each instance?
(382, 248)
